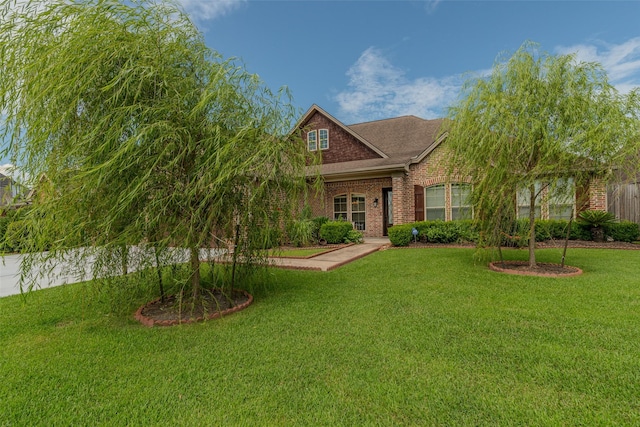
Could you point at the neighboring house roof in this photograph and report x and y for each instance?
(11, 187)
(398, 142)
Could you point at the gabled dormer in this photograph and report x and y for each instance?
(334, 141)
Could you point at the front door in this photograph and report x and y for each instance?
(387, 210)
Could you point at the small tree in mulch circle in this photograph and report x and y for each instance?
(536, 125)
(149, 140)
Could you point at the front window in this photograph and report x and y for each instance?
(460, 201)
(340, 208)
(562, 199)
(358, 211)
(324, 139)
(435, 202)
(312, 140)
(524, 202)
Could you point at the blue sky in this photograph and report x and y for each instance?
(367, 60)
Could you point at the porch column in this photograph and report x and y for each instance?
(400, 198)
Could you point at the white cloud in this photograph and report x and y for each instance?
(620, 61)
(431, 5)
(210, 9)
(377, 89)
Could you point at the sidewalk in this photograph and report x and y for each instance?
(10, 265)
(334, 259)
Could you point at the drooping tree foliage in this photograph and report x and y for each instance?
(535, 124)
(141, 135)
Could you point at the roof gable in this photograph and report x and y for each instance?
(344, 144)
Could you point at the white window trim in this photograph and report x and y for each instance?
(347, 200)
(444, 206)
(349, 213)
(319, 141)
(363, 212)
(315, 134)
(451, 205)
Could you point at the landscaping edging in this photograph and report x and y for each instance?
(150, 322)
(496, 266)
(329, 250)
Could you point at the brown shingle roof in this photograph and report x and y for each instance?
(400, 138)
(401, 141)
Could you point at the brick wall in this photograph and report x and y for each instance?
(370, 188)
(343, 147)
(597, 195)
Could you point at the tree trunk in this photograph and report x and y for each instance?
(124, 261)
(566, 241)
(532, 227)
(159, 270)
(195, 273)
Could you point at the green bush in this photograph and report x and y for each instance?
(594, 218)
(266, 238)
(354, 236)
(400, 235)
(317, 224)
(517, 234)
(4, 224)
(623, 231)
(335, 231)
(300, 232)
(16, 236)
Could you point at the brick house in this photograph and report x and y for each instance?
(380, 173)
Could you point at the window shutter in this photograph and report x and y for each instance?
(418, 197)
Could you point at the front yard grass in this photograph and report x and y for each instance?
(401, 337)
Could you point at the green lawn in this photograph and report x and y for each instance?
(401, 337)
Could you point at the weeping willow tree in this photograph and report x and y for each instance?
(142, 135)
(536, 123)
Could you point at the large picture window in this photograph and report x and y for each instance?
(524, 202)
(562, 199)
(460, 201)
(435, 201)
(553, 200)
(355, 211)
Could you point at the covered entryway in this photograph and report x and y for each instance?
(387, 210)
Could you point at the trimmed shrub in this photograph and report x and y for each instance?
(354, 236)
(623, 231)
(400, 235)
(335, 231)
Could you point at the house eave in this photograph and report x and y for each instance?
(362, 173)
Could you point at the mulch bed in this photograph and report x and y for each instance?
(542, 269)
(211, 305)
(549, 244)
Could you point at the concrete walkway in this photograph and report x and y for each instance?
(10, 265)
(333, 259)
